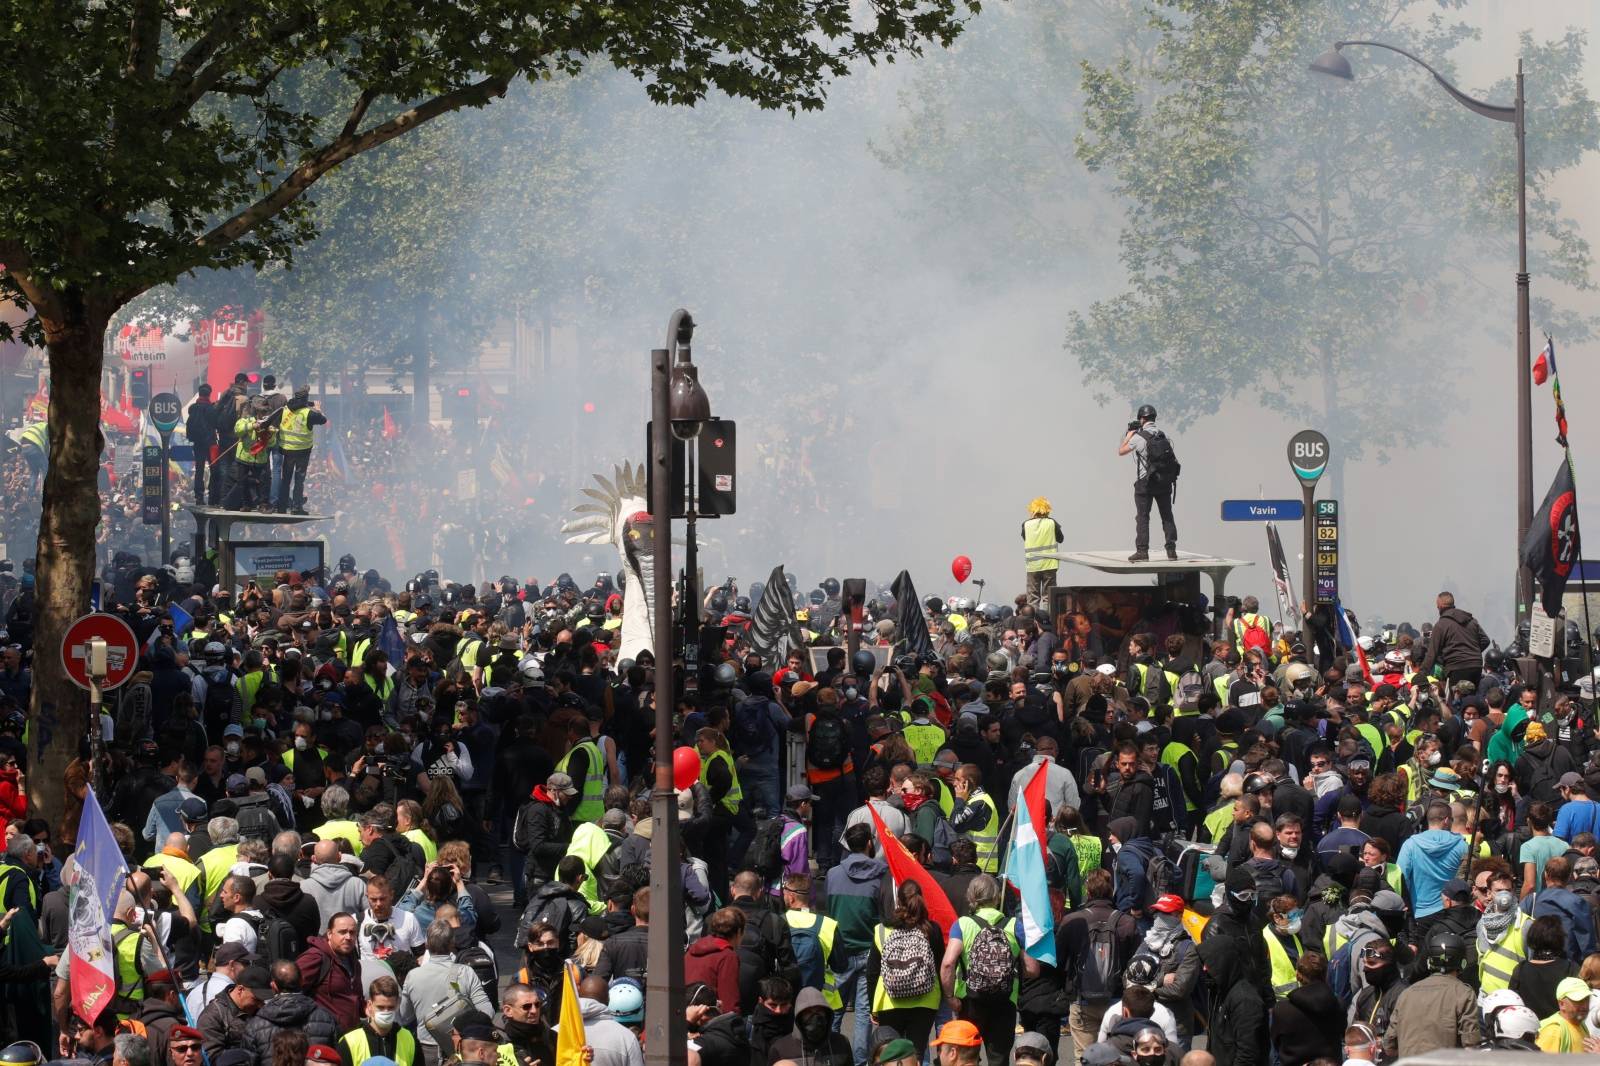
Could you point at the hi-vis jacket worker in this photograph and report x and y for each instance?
(1040, 536)
(295, 421)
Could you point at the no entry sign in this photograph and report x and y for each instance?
(121, 649)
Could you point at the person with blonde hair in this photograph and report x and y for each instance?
(1040, 536)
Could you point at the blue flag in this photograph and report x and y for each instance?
(98, 879)
(390, 644)
(182, 621)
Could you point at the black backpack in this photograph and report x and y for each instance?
(256, 820)
(765, 856)
(482, 964)
(752, 726)
(405, 868)
(275, 937)
(1100, 976)
(1160, 460)
(218, 712)
(826, 746)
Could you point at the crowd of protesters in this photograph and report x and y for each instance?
(337, 796)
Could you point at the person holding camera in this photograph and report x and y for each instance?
(1156, 481)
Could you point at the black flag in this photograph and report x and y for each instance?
(910, 624)
(773, 632)
(1551, 547)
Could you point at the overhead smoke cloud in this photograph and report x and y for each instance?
(883, 291)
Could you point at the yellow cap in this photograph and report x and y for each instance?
(1039, 507)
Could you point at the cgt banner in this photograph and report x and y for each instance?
(260, 560)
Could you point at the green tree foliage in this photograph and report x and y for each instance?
(1309, 241)
(142, 140)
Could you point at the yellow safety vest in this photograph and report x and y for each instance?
(1039, 544)
(249, 685)
(1171, 754)
(735, 794)
(881, 1001)
(430, 850)
(969, 932)
(1221, 685)
(925, 740)
(1243, 622)
(382, 688)
(1496, 964)
(592, 789)
(1283, 978)
(130, 982)
(1217, 821)
(825, 928)
(1370, 734)
(245, 430)
(945, 798)
(987, 839)
(340, 829)
(36, 434)
(289, 754)
(356, 1043)
(215, 864)
(1413, 782)
(183, 871)
(294, 433)
(1090, 851)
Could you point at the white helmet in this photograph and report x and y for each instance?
(1503, 997)
(531, 672)
(1514, 1023)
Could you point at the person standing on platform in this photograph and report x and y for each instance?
(201, 429)
(295, 421)
(254, 436)
(1155, 481)
(1040, 536)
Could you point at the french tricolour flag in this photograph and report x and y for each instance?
(1025, 869)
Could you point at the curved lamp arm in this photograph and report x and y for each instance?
(1488, 110)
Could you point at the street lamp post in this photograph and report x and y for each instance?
(678, 408)
(1333, 62)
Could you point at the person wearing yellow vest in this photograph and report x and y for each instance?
(1564, 1033)
(591, 841)
(174, 857)
(33, 441)
(1248, 620)
(976, 817)
(816, 967)
(587, 768)
(1041, 534)
(408, 822)
(1282, 937)
(911, 1012)
(294, 422)
(1501, 935)
(922, 734)
(251, 474)
(217, 863)
(339, 826)
(380, 1033)
(993, 1011)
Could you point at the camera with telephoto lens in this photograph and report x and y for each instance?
(386, 765)
(1133, 426)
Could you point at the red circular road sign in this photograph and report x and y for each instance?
(122, 649)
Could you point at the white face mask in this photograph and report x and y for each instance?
(383, 1020)
(1434, 757)
(1293, 928)
(1289, 852)
(1502, 787)
(300, 744)
(232, 748)
(1116, 846)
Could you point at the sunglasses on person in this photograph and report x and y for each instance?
(1481, 887)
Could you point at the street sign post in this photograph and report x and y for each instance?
(165, 410)
(1308, 458)
(1262, 510)
(1326, 570)
(79, 660)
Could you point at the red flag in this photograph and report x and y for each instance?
(1544, 367)
(390, 430)
(902, 867)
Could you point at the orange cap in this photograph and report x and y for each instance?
(958, 1034)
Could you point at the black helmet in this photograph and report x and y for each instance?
(22, 1053)
(1256, 782)
(622, 580)
(863, 662)
(830, 585)
(347, 562)
(756, 589)
(719, 601)
(1444, 951)
(742, 604)
(817, 597)
(1147, 413)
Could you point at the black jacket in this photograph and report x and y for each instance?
(1308, 1025)
(560, 905)
(286, 1012)
(545, 832)
(1456, 643)
(1238, 1030)
(201, 428)
(625, 954)
(286, 900)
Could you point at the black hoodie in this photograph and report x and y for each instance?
(1238, 1029)
(723, 1042)
(1308, 1025)
(285, 898)
(1456, 643)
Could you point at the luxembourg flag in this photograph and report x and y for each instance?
(1025, 869)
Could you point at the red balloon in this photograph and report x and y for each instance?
(685, 768)
(961, 567)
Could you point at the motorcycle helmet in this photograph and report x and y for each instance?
(863, 663)
(997, 661)
(1255, 782)
(742, 604)
(725, 675)
(1515, 1022)
(1146, 413)
(532, 673)
(347, 563)
(22, 1053)
(215, 651)
(1499, 999)
(991, 612)
(1444, 951)
(1141, 970)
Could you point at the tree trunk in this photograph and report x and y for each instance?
(66, 548)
